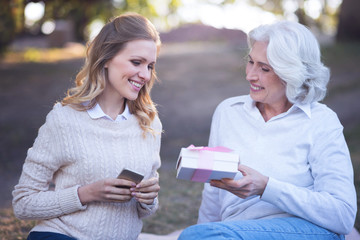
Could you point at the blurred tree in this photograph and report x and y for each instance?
(11, 21)
(81, 12)
(349, 21)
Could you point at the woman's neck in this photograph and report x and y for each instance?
(111, 107)
(269, 111)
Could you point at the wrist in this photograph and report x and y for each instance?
(84, 195)
(265, 182)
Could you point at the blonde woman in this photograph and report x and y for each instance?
(105, 124)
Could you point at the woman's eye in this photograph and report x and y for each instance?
(135, 62)
(265, 69)
(251, 62)
(151, 67)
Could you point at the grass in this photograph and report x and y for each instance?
(179, 204)
(45, 55)
(13, 228)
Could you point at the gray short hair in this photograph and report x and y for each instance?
(294, 54)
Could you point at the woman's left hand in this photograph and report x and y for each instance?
(252, 183)
(146, 191)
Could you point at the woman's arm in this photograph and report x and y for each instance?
(332, 201)
(32, 198)
(146, 192)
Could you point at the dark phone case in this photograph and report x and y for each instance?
(131, 176)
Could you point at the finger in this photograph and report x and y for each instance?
(148, 182)
(152, 188)
(141, 197)
(245, 170)
(120, 190)
(218, 184)
(123, 183)
(146, 201)
(120, 198)
(118, 194)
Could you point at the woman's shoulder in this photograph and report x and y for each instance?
(322, 110)
(229, 102)
(59, 109)
(324, 115)
(60, 113)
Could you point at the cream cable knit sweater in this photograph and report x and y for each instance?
(73, 150)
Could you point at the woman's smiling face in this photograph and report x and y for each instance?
(265, 86)
(130, 69)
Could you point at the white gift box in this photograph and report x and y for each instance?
(202, 164)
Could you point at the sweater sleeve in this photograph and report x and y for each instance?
(32, 198)
(145, 210)
(332, 201)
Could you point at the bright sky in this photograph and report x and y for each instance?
(242, 15)
(239, 15)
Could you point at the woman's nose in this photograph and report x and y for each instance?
(145, 74)
(251, 73)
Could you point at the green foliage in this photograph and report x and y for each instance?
(83, 12)
(7, 25)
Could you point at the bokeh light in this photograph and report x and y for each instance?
(34, 12)
(48, 27)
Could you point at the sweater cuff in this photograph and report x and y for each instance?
(272, 191)
(69, 200)
(149, 206)
(147, 209)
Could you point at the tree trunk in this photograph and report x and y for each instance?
(349, 21)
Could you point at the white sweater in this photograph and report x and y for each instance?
(304, 153)
(72, 150)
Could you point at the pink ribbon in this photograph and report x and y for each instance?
(205, 162)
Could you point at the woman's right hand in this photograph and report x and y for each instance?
(106, 190)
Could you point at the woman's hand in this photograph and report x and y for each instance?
(106, 190)
(252, 183)
(146, 191)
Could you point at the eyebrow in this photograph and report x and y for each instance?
(261, 63)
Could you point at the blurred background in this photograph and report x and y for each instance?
(201, 63)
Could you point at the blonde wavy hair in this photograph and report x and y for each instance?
(90, 81)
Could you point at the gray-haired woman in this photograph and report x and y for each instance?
(295, 179)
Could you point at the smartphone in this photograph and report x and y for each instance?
(131, 175)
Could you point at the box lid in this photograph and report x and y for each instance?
(217, 156)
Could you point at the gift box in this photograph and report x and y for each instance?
(202, 164)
